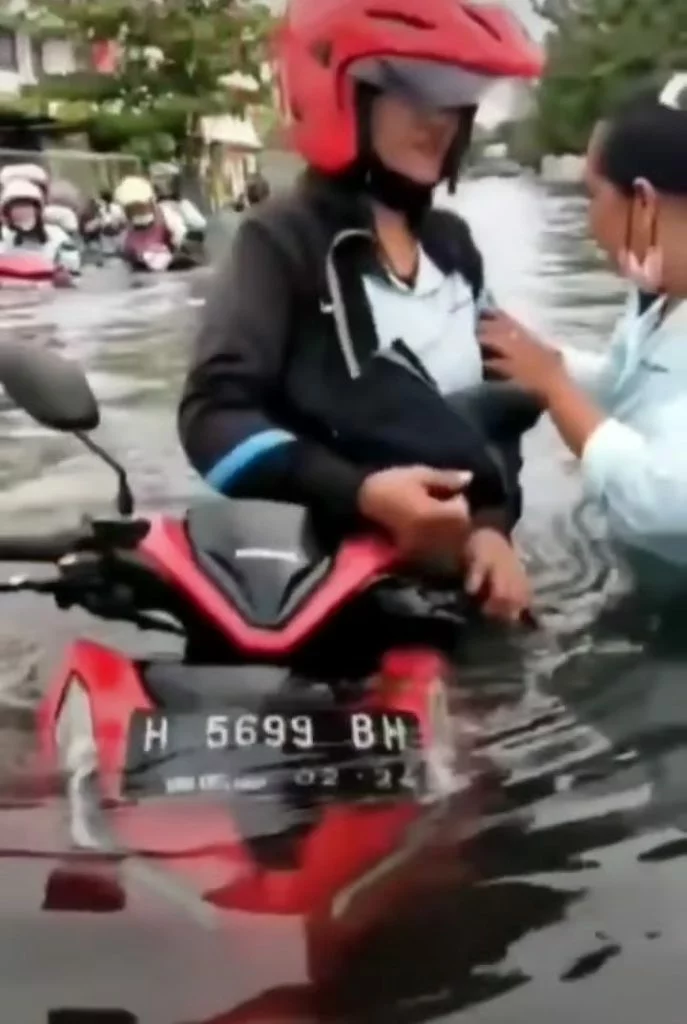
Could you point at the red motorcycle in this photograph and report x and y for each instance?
(301, 735)
(30, 270)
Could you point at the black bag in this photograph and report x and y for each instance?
(393, 415)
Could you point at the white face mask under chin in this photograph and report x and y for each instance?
(143, 220)
(647, 274)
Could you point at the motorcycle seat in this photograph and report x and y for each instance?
(266, 558)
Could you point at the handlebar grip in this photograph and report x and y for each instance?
(46, 548)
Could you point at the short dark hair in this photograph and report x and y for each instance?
(645, 136)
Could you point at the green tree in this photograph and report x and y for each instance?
(596, 50)
(173, 60)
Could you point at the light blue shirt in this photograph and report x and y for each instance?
(435, 317)
(635, 462)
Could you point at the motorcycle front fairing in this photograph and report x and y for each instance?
(266, 857)
(275, 855)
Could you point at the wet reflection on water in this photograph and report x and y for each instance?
(552, 888)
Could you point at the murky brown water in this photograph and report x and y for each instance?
(561, 897)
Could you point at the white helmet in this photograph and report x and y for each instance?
(134, 190)
(62, 217)
(20, 190)
(27, 172)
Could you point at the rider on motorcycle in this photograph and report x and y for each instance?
(149, 226)
(343, 326)
(169, 195)
(24, 228)
(102, 218)
(55, 212)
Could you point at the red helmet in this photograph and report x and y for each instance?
(440, 52)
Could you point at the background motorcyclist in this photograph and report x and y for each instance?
(169, 194)
(150, 228)
(102, 216)
(56, 211)
(24, 228)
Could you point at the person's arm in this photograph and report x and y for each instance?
(591, 370)
(226, 423)
(640, 482)
(586, 368)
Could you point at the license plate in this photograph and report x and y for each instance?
(245, 753)
(380, 732)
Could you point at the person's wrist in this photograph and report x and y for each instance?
(484, 534)
(557, 382)
(480, 540)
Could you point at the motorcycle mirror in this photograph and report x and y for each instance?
(53, 390)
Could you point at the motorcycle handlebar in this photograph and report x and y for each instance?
(46, 548)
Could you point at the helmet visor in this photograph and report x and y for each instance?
(428, 84)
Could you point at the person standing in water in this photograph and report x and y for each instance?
(624, 412)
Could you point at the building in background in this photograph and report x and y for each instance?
(63, 148)
(231, 143)
(24, 61)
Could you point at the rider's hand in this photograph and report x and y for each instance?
(423, 509)
(495, 571)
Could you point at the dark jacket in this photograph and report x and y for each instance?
(285, 399)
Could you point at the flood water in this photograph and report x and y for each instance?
(558, 893)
